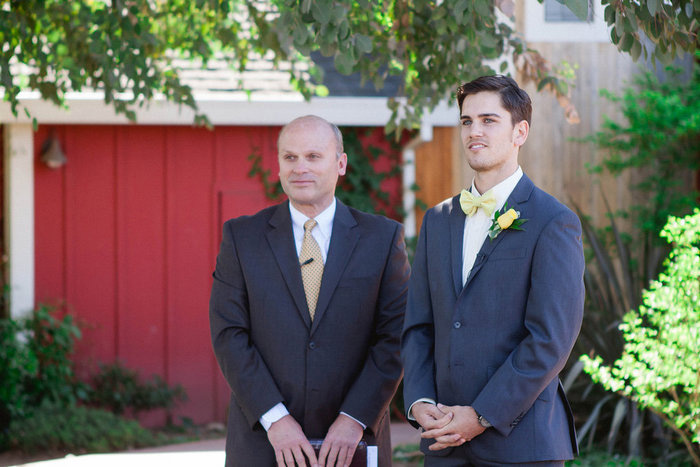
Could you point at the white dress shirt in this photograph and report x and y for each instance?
(475, 233)
(322, 234)
(476, 228)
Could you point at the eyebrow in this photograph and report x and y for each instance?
(462, 117)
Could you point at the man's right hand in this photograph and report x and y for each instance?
(290, 443)
(429, 416)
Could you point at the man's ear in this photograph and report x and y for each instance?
(342, 164)
(520, 132)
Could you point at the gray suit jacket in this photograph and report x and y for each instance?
(269, 350)
(499, 343)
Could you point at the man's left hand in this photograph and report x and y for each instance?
(464, 427)
(340, 443)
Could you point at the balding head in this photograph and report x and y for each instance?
(314, 120)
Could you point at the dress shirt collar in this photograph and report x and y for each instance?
(503, 190)
(324, 220)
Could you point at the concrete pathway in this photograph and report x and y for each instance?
(200, 453)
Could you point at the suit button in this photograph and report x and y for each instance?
(457, 325)
(312, 345)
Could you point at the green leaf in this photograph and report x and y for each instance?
(636, 50)
(459, 9)
(626, 42)
(306, 6)
(363, 43)
(609, 14)
(320, 12)
(321, 91)
(483, 8)
(344, 62)
(653, 6)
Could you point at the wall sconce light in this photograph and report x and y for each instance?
(51, 153)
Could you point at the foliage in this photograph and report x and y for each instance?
(119, 389)
(17, 365)
(35, 363)
(658, 142)
(592, 458)
(407, 454)
(611, 290)
(670, 26)
(660, 136)
(77, 429)
(126, 48)
(660, 366)
(361, 185)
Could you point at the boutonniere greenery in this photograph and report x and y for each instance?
(506, 218)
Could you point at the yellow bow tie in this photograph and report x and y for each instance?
(471, 203)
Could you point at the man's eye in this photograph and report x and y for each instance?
(466, 122)
(488, 120)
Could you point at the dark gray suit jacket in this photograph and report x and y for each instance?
(499, 343)
(269, 350)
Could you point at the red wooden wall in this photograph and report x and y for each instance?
(127, 234)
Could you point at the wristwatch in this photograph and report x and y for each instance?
(482, 421)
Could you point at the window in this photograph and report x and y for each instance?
(552, 21)
(556, 12)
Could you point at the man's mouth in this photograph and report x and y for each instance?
(476, 145)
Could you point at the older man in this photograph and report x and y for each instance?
(306, 311)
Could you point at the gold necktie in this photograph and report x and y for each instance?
(311, 263)
(471, 203)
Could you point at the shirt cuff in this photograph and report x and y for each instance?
(364, 427)
(272, 415)
(422, 399)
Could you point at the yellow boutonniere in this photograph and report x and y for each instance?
(505, 219)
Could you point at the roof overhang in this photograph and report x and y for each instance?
(89, 108)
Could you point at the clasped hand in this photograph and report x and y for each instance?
(448, 425)
(291, 445)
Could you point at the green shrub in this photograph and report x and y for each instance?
(77, 429)
(119, 389)
(35, 365)
(660, 365)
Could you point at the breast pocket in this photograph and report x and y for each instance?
(508, 254)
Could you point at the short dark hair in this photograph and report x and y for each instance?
(514, 100)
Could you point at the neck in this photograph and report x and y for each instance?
(484, 181)
(311, 210)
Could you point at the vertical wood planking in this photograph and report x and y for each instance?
(140, 247)
(49, 239)
(90, 229)
(190, 156)
(434, 166)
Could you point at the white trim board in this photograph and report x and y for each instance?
(18, 172)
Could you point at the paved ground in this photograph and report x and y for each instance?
(200, 454)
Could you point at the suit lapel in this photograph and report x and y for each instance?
(281, 240)
(343, 241)
(457, 217)
(516, 200)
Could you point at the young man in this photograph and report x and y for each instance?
(495, 302)
(306, 311)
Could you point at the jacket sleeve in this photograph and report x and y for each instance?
(371, 393)
(552, 320)
(229, 319)
(418, 337)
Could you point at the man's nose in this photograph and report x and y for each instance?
(300, 167)
(475, 130)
